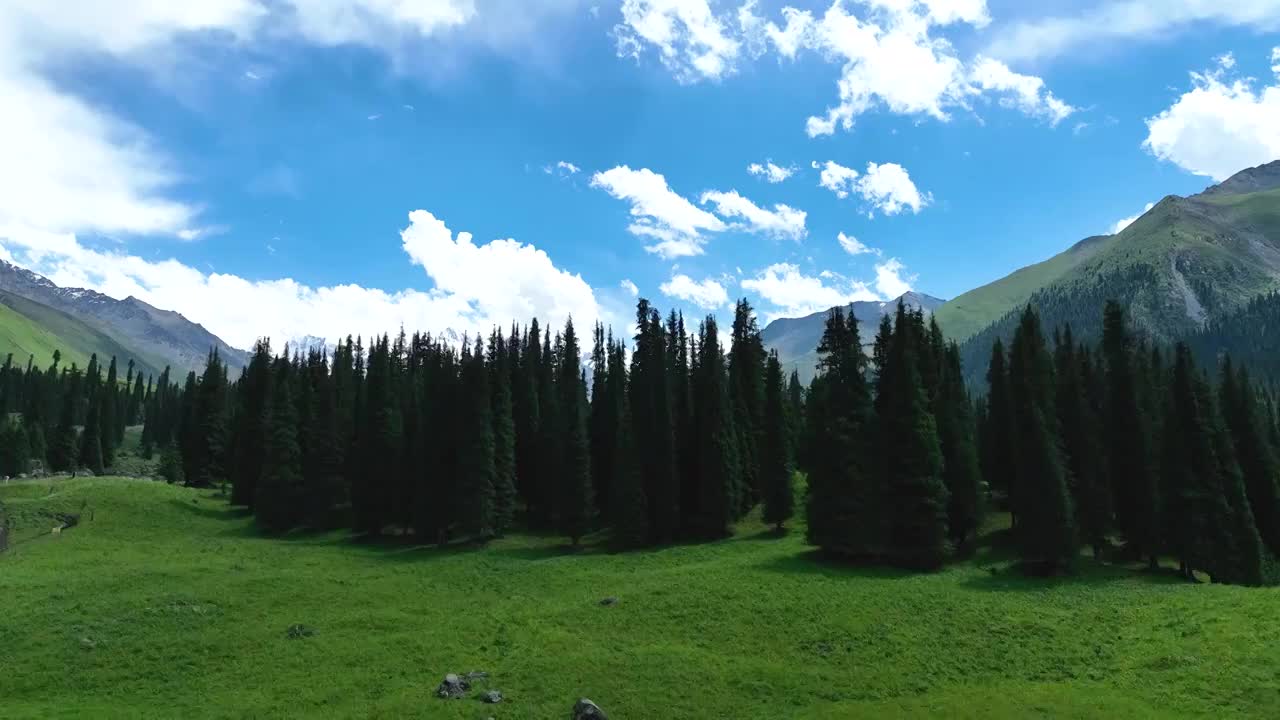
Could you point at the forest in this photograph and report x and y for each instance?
(1124, 446)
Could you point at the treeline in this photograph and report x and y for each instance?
(1249, 334)
(676, 439)
(63, 418)
(1125, 440)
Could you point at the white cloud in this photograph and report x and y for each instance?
(854, 246)
(375, 22)
(691, 41)
(1275, 58)
(1114, 21)
(659, 212)
(1220, 126)
(890, 279)
(793, 293)
(375, 116)
(836, 178)
(630, 287)
(1123, 223)
(782, 222)
(889, 51)
(1025, 92)
(708, 294)
(773, 173)
(475, 287)
(251, 75)
(562, 168)
(888, 187)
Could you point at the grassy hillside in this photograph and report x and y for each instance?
(167, 603)
(28, 328)
(1198, 256)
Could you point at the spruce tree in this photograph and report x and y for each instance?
(1046, 529)
(504, 435)
(1244, 418)
(574, 502)
(716, 439)
(91, 438)
(652, 419)
(1132, 462)
(999, 449)
(847, 508)
(911, 456)
(603, 417)
(747, 393)
(476, 455)
(280, 500)
(550, 441)
(957, 434)
(628, 508)
(527, 407)
(251, 434)
(1081, 443)
(775, 461)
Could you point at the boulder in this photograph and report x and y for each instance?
(584, 709)
(492, 697)
(453, 687)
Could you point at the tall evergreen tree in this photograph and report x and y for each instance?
(847, 508)
(719, 464)
(252, 433)
(652, 418)
(1245, 419)
(907, 440)
(747, 393)
(280, 490)
(91, 438)
(999, 451)
(1081, 442)
(574, 502)
(957, 434)
(504, 435)
(1046, 529)
(775, 457)
(1132, 462)
(476, 456)
(629, 510)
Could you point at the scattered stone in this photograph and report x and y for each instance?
(453, 687)
(476, 675)
(298, 630)
(609, 601)
(584, 709)
(492, 697)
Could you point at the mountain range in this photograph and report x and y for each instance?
(796, 339)
(1180, 267)
(39, 317)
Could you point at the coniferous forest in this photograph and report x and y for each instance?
(1126, 448)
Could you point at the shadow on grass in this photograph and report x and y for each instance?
(815, 562)
(1087, 572)
(212, 509)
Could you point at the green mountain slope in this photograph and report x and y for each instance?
(30, 329)
(1196, 257)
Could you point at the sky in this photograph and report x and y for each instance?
(285, 168)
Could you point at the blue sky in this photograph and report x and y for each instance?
(254, 164)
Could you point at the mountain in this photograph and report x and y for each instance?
(31, 330)
(138, 330)
(796, 339)
(1182, 264)
(1179, 264)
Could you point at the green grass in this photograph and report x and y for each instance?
(29, 328)
(167, 603)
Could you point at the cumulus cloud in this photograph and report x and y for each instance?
(892, 279)
(1123, 223)
(773, 173)
(474, 287)
(1220, 126)
(658, 212)
(680, 227)
(783, 222)
(836, 177)
(1117, 20)
(890, 52)
(691, 41)
(854, 246)
(630, 287)
(1024, 92)
(708, 294)
(885, 187)
(888, 188)
(792, 293)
